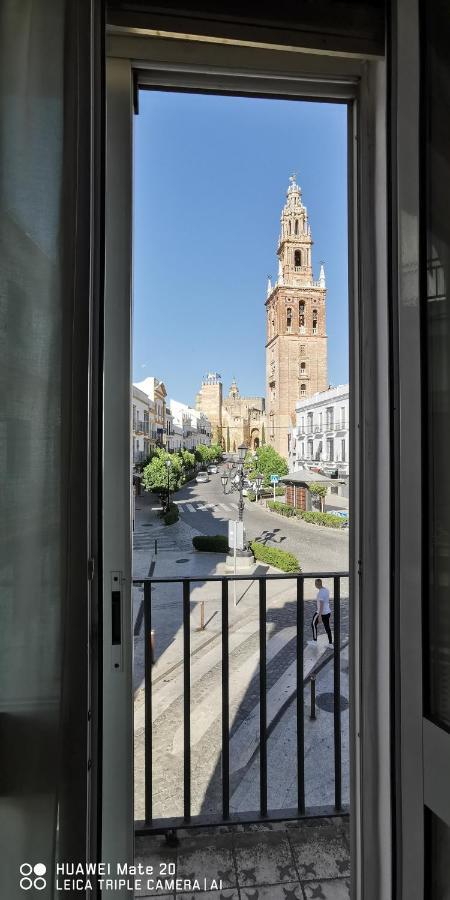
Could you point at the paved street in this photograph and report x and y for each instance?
(204, 508)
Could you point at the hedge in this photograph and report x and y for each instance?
(212, 543)
(314, 517)
(287, 562)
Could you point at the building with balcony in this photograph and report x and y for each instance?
(157, 393)
(320, 436)
(142, 434)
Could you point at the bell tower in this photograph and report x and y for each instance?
(296, 339)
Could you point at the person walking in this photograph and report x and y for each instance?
(323, 611)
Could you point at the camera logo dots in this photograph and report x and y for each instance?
(33, 876)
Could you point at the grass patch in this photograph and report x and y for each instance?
(287, 562)
(211, 543)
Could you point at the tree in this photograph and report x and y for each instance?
(263, 435)
(265, 461)
(187, 460)
(156, 474)
(320, 490)
(203, 454)
(216, 451)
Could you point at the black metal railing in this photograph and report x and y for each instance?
(153, 825)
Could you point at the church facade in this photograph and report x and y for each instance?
(296, 338)
(235, 419)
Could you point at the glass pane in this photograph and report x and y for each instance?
(437, 646)
(439, 848)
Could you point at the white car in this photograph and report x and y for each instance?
(212, 470)
(202, 477)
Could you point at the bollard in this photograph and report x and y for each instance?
(152, 646)
(202, 616)
(313, 697)
(156, 546)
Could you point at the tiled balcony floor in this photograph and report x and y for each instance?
(307, 860)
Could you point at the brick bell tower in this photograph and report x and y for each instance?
(296, 341)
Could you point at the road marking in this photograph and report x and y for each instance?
(211, 708)
(245, 740)
(190, 507)
(225, 507)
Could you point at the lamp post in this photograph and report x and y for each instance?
(237, 483)
(168, 465)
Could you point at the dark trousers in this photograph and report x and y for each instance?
(326, 625)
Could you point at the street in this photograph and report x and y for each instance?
(206, 508)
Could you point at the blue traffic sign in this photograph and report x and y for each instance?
(274, 479)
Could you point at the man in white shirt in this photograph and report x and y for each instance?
(323, 611)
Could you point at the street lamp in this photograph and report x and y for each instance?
(237, 482)
(242, 450)
(168, 465)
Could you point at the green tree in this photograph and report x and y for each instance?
(203, 453)
(265, 461)
(321, 491)
(154, 476)
(216, 451)
(187, 460)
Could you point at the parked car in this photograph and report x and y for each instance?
(202, 477)
(212, 470)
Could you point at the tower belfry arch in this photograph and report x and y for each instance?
(296, 339)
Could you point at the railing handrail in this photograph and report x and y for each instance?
(269, 576)
(150, 824)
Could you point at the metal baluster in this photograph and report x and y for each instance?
(225, 706)
(187, 699)
(262, 698)
(300, 699)
(148, 746)
(337, 694)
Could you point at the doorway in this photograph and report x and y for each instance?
(120, 72)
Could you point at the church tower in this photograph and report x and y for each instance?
(296, 341)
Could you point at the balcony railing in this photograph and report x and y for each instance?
(150, 824)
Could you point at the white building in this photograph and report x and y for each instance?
(173, 433)
(320, 436)
(141, 431)
(196, 427)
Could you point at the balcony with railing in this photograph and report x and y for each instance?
(241, 735)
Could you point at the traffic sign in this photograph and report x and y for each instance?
(236, 535)
(274, 479)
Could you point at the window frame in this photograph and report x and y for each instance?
(136, 60)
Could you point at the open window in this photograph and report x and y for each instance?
(131, 65)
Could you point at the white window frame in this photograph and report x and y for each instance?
(243, 70)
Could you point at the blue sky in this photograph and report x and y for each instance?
(210, 178)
